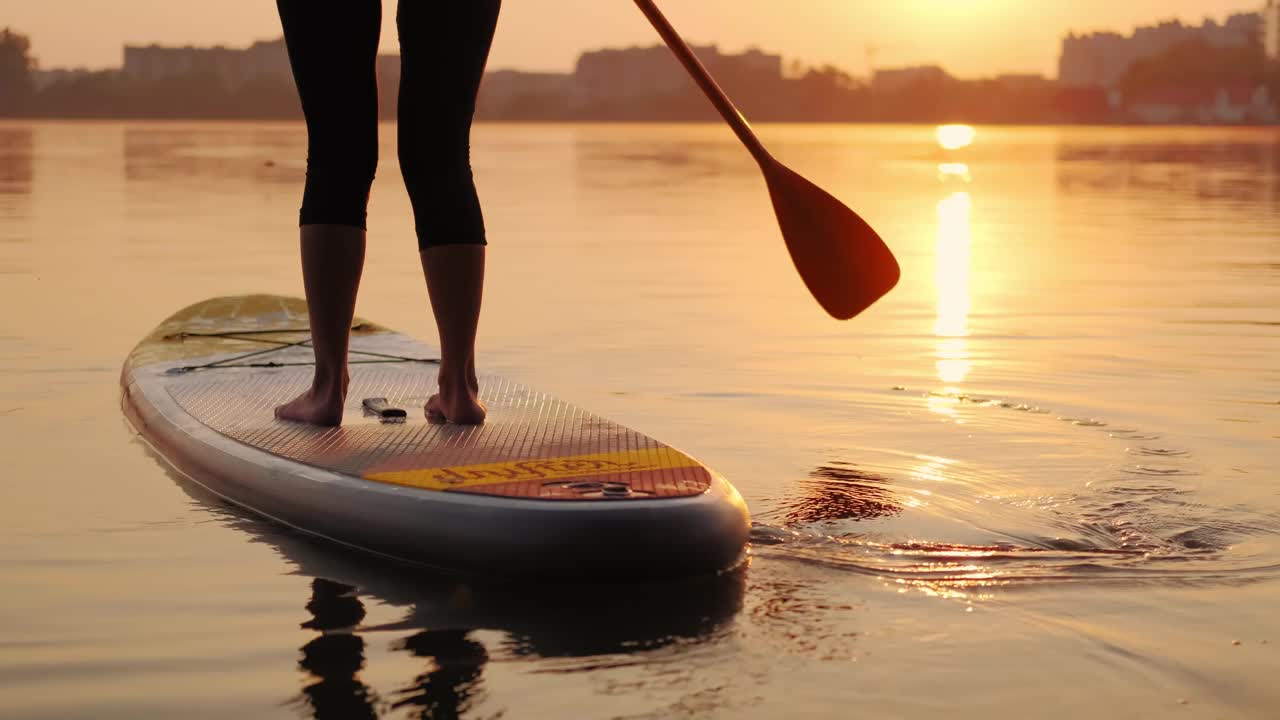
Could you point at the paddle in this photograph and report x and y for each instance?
(844, 263)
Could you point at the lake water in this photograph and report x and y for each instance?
(1040, 478)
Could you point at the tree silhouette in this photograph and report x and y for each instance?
(16, 65)
(1198, 65)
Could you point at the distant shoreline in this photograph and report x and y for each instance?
(15, 120)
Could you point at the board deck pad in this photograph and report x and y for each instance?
(531, 446)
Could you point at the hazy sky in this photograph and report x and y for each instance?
(968, 37)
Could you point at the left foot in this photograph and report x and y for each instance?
(319, 405)
(313, 408)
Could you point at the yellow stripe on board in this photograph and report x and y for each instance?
(553, 468)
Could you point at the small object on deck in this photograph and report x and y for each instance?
(383, 409)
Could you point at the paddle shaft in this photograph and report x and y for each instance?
(705, 81)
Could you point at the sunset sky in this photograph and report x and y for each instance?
(968, 37)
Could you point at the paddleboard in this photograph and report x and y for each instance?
(542, 488)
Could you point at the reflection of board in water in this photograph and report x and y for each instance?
(335, 658)
(548, 620)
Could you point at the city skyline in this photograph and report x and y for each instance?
(551, 35)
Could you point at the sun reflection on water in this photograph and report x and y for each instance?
(952, 283)
(954, 137)
(951, 276)
(957, 170)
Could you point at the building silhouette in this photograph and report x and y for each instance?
(1209, 74)
(609, 78)
(235, 67)
(1233, 104)
(896, 79)
(529, 95)
(625, 76)
(42, 79)
(1101, 59)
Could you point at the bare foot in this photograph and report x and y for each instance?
(457, 402)
(317, 406)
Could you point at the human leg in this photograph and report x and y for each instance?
(333, 49)
(444, 48)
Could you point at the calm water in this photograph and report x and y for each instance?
(1041, 478)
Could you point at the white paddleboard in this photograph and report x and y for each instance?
(541, 488)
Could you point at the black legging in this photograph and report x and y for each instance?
(444, 44)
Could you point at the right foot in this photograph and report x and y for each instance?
(457, 402)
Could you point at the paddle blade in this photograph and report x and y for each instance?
(841, 259)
